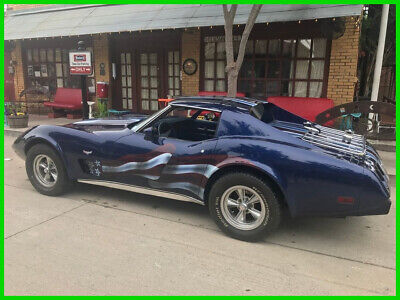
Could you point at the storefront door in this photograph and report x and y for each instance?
(9, 93)
(159, 77)
(127, 83)
(147, 68)
(150, 80)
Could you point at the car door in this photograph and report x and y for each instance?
(162, 163)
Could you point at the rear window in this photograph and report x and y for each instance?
(268, 112)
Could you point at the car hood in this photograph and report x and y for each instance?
(111, 123)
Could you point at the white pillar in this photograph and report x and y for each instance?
(379, 52)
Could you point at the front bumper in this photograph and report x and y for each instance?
(19, 146)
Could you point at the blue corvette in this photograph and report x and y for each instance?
(245, 159)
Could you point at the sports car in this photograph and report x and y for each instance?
(245, 159)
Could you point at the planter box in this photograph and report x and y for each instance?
(18, 121)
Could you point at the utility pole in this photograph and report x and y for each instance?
(379, 52)
(85, 106)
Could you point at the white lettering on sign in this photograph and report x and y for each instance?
(80, 70)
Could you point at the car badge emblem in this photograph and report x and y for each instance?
(87, 152)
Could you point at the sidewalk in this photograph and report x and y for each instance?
(389, 146)
(35, 120)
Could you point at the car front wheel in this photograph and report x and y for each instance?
(244, 206)
(46, 171)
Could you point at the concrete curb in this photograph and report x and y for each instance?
(14, 133)
(387, 148)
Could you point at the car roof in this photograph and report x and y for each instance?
(217, 102)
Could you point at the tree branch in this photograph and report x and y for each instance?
(229, 17)
(245, 36)
(232, 67)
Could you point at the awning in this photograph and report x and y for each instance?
(70, 20)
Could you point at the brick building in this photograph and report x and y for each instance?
(141, 50)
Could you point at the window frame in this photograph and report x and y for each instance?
(160, 114)
(53, 44)
(267, 58)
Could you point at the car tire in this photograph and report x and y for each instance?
(249, 219)
(46, 171)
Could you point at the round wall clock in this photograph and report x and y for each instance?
(189, 66)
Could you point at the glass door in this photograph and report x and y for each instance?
(126, 81)
(149, 81)
(174, 76)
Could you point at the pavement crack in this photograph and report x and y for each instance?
(331, 255)
(88, 201)
(232, 257)
(265, 241)
(45, 221)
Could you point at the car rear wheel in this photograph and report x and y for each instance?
(46, 171)
(244, 206)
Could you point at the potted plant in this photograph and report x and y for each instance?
(102, 107)
(16, 115)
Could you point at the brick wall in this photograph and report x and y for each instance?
(16, 56)
(191, 49)
(343, 64)
(101, 54)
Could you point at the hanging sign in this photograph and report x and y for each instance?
(80, 63)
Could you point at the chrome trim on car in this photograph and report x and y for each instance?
(150, 119)
(195, 107)
(141, 190)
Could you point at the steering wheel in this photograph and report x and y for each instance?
(164, 129)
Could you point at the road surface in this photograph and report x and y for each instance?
(99, 241)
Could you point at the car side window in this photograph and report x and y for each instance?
(184, 123)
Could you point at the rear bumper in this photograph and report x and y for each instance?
(381, 208)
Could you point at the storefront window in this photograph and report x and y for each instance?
(276, 67)
(49, 67)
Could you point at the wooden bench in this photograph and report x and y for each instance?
(66, 99)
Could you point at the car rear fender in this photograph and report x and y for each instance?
(264, 172)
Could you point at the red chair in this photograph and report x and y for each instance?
(305, 107)
(66, 100)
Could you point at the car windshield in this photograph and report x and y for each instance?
(149, 119)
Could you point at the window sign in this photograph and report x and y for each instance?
(30, 71)
(80, 63)
(43, 69)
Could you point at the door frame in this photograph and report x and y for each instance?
(135, 43)
(9, 86)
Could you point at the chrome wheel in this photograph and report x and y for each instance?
(243, 207)
(45, 170)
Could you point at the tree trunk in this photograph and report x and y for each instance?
(232, 83)
(232, 66)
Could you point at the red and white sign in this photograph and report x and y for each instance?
(80, 70)
(80, 63)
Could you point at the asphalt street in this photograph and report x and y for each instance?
(100, 241)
